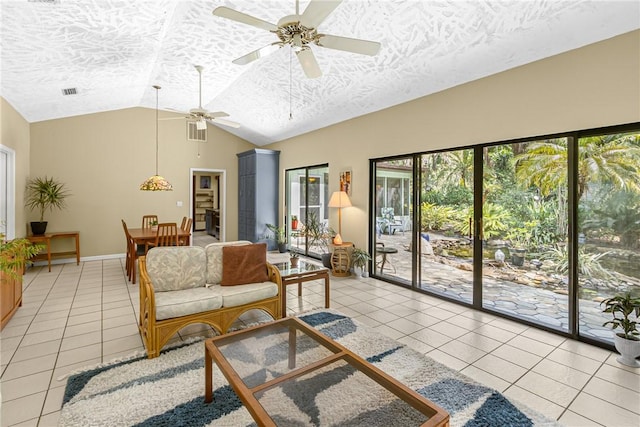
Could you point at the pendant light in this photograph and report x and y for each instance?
(156, 182)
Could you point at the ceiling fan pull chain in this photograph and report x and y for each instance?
(291, 83)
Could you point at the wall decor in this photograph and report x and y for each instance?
(345, 181)
(205, 182)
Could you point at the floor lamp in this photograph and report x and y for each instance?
(339, 199)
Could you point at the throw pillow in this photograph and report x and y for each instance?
(244, 264)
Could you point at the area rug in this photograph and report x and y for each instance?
(169, 390)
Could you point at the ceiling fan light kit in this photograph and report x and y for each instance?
(300, 32)
(200, 115)
(156, 182)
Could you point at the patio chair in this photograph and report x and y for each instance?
(400, 225)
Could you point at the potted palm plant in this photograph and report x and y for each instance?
(624, 308)
(359, 259)
(14, 254)
(280, 237)
(319, 237)
(42, 194)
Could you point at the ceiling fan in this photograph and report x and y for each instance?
(201, 116)
(300, 31)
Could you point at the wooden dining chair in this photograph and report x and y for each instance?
(186, 227)
(133, 252)
(149, 220)
(167, 235)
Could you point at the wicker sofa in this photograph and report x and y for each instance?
(181, 285)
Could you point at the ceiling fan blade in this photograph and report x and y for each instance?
(309, 64)
(172, 118)
(364, 47)
(257, 54)
(225, 122)
(317, 11)
(234, 15)
(216, 114)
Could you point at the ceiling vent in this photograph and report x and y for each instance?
(195, 134)
(70, 91)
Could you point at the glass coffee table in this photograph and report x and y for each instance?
(304, 272)
(287, 373)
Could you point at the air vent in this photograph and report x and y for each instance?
(44, 1)
(70, 91)
(195, 134)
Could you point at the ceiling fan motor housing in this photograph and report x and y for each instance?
(289, 27)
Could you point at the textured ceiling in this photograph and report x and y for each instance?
(113, 52)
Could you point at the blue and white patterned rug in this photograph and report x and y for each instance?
(168, 390)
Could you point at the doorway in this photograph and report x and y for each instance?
(207, 202)
(7, 192)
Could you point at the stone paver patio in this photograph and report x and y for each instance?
(542, 306)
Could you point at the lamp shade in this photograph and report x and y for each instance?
(156, 182)
(339, 199)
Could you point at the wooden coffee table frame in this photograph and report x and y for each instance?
(438, 417)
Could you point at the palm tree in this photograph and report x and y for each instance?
(457, 167)
(610, 159)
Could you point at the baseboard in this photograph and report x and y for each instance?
(82, 259)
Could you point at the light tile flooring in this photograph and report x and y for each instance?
(79, 316)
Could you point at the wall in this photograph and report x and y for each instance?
(15, 134)
(103, 158)
(594, 86)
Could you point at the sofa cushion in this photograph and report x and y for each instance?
(233, 296)
(173, 268)
(245, 264)
(185, 302)
(214, 259)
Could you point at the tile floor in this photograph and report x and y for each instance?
(79, 316)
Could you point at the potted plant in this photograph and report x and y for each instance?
(294, 257)
(294, 222)
(14, 253)
(359, 259)
(622, 307)
(520, 238)
(42, 194)
(319, 237)
(280, 237)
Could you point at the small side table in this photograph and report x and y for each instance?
(304, 272)
(341, 259)
(384, 252)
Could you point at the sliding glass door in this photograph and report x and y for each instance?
(445, 221)
(393, 209)
(306, 198)
(525, 246)
(608, 255)
(538, 230)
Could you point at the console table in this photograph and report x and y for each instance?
(45, 239)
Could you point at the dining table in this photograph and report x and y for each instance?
(142, 236)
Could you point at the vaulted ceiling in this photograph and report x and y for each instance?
(113, 51)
